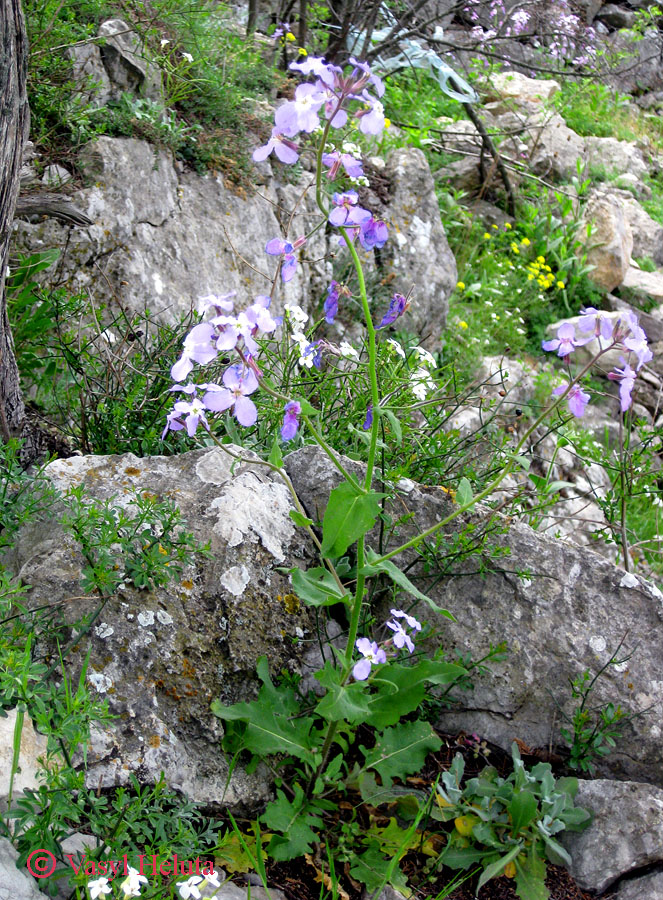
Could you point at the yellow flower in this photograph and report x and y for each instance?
(387, 122)
(547, 268)
(461, 285)
(486, 235)
(463, 325)
(495, 227)
(530, 277)
(290, 36)
(507, 225)
(302, 52)
(525, 242)
(561, 285)
(541, 259)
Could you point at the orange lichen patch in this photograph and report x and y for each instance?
(155, 741)
(188, 670)
(290, 602)
(187, 584)
(132, 470)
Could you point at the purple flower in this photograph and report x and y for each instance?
(398, 305)
(290, 420)
(283, 148)
(199, 346)
(566, 341)
(331, 303)
(368, 421)
(373, 656)
(401, 638)
(346, 211)
(334, 160)
(413, 623)
(373, 234)
(316, 65)
(375, 80)
(637, 342)
(239, 381)
(300, 114)
(577, 399)
(626, 378)
(595, 322)
(193, 413)
(277, 247)
(371, 119)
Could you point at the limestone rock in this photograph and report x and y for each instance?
(126, 63)
(615, 156)
(555, 148)
(89, 74)
(561, 609)
(161, 656)
(15, 883)
(639, 70)
(33, 745)
(610, 244)
(616, 16)
(647, 232)
(647, 887)
(648, 283)
(417, 253)
(626, 833)
(513, 85)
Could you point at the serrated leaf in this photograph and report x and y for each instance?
(400, 689)
(316, 586)
(523, 809)
(295, 819)
(348, 516)
(401, 751)
(232, 855)
(300, 519)
(464, 493)
(530, 877)
(387, 567)
(342, 702)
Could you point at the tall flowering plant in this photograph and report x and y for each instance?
(376, 679)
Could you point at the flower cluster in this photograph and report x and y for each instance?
(538, 269)
(623, 332)
(131, 886)
(404, 627)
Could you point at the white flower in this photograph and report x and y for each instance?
(98, 887)
(131, 884)
(348, 350)
(421, 383)
(164, 42)
(396, 347)
(187, 57)
(425, 358)
(188, 888)
(296, 314)
(213, 878)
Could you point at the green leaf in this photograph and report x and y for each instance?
(369, 868)
(348, 702)
(269, 721)
(401, 751)
(348, 516)
(275, 455)
(300, 519)
(530, 877)
(307, 409)
(400, 689)
(316, 586)
(496, 868)
(387, 567)
(464, 493)
(395, 425)
(295, 819)
(523, 810)
(461, 857)
(555, 852)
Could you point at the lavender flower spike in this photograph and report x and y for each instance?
(290, 420)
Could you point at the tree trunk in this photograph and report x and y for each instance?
(14, 125)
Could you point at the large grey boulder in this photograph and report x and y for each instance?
(15, 883)
(417, 255)
(126, 62)
(609, 245)
(159, 657)
(160, 239)
(33, 746)
(626, 833)
(560, 608)
(639, 69)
